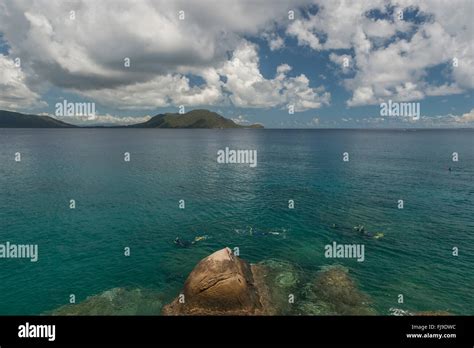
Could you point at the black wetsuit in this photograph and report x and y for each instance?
(182, 243)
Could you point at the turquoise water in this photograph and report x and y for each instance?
(135, 205)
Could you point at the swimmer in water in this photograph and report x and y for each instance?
(199, 238)
(256, 232)
(182, 243)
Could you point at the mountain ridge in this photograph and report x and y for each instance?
(199, 118)
(12, 119)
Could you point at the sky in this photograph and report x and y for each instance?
(284, 64)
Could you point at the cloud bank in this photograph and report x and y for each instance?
(143, 54)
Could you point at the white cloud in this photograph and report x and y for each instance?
(362, 95)
(86, 54)
(386, 66)
(397, 71)
(161, 91)
(443, 90)
(465, 120)
(106, 119)
(303, 31)
(341, 24)
(244, 86)
(14, 91)
(241, 120)
(344, 61)
(275, 42)
(468, 117)
(248, 87)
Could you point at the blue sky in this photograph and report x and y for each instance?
(248, 61)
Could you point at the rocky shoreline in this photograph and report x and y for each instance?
(224, 284)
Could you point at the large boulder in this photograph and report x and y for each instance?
(221, 284)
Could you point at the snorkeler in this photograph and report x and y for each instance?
(182, 243)
(361, 229)
(199, 238)
(376, 235)
(260, 233)
(256, 232)
(274, 233)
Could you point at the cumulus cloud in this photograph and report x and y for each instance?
(248, 87)
(244, 86)
(82, 46)
(303, 30)
(14, 91)
(387, 65)
(275, 42)
(344, 61)
(88, 50)
(161, 91)
(468, 117)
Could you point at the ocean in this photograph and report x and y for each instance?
(136, 205)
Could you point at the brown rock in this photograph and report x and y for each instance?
(221, 284)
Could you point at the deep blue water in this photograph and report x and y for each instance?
(135, 204)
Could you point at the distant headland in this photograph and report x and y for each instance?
(193, 119)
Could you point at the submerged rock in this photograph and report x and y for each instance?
(221, 284)
(117, 301)
(283, 274)
(314, 308)
(433, 313)
(281, 279)
(334, 292)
